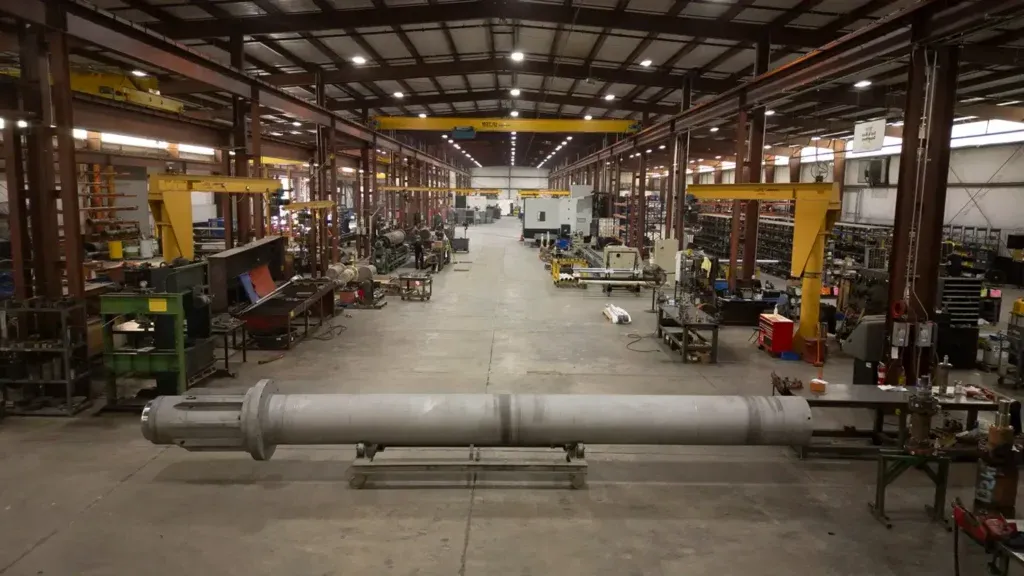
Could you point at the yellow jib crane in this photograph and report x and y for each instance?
(170, 200)
(817, 207)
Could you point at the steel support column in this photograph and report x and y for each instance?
(932, 206)
(239, 145)
(752, 170)
(910, 156)
(336, 197)
(255, 153)
(641, 207)
(63, 120)
(681, 153)
(17, 213)
(794, 168)
(41, 186)
(737, 210)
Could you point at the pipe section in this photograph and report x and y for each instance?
(262, 419)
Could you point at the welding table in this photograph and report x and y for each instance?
(688, 333)
(882, 402)
(230, 328)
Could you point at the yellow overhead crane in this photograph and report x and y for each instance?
(455, 124)
(817, 207)
(170, 201)
(141, 91)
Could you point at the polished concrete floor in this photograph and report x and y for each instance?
(90, 496)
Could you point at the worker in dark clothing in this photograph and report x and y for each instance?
(417, 248)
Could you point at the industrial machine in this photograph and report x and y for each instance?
(390, 251)
(170, 201)
(158, 327)
(551, 216)
(817, 207)
(229, 270)
(260, 420)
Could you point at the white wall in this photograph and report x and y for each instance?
(992, 202)
(509, 179)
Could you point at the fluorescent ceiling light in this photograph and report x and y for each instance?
(714, 128)
(662, 147)
(862, 84)
(1010, 103)
(444, 136)
(649, 150)
(296, 124)
(718, 157)
(588, 117)
(422, 115)
(358, 60)
(569, 138)
(609, 97)
(139, 73)
(769, 112)
(645, 63)
(767, 147)
(514, 113)
(514, 92)
(516, 56)
(399, 95)
(815, 138)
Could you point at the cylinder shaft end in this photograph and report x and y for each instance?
(254, 414)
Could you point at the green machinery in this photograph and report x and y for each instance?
(159, 327)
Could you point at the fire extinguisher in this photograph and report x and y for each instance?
(881, 373)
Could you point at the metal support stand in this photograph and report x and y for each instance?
(892, 465)
(365, 466)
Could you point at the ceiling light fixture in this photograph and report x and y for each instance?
(139, 74)
(569, 138)
(444, 136)
(609, 97)
(862, 84)
(422, 115)
(296, 124)
(718, 157)
(516, 56)
(769, 112)
(588, 117)
(645, 63)
(662, 147)
(649, 150)
(358, 60)
(399, 95)
(714, 128)
(815, 138)
(514, 92)
(514, 113)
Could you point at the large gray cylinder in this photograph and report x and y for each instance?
(262, 419)
(393, 238)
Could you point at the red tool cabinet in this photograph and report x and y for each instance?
(775, 334)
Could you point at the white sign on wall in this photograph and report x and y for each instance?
(869, 136)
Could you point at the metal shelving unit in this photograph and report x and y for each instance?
(44, 345)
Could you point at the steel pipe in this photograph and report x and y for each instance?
(262, 419)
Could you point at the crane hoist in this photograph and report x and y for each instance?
(817, 207)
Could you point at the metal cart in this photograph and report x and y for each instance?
(415, 286)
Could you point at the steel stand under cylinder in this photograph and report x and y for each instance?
(262, 419)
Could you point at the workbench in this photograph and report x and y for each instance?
(882, 403)
(695, 331)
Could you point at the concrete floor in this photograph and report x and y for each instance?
(89, 496)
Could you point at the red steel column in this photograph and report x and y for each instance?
(736, 229)
(238, 144)
(681, 146)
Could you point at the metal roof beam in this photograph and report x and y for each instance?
(482, 10)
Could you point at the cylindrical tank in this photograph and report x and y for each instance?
(263, 419)
(393, 238)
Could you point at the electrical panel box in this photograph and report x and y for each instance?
(665, 250)
(900, 334)
(926, 334)
(621, 257)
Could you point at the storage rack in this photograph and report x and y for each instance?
(98, 203)
(45, 371)
(978, 247)
(859, 245)
(961, 298)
